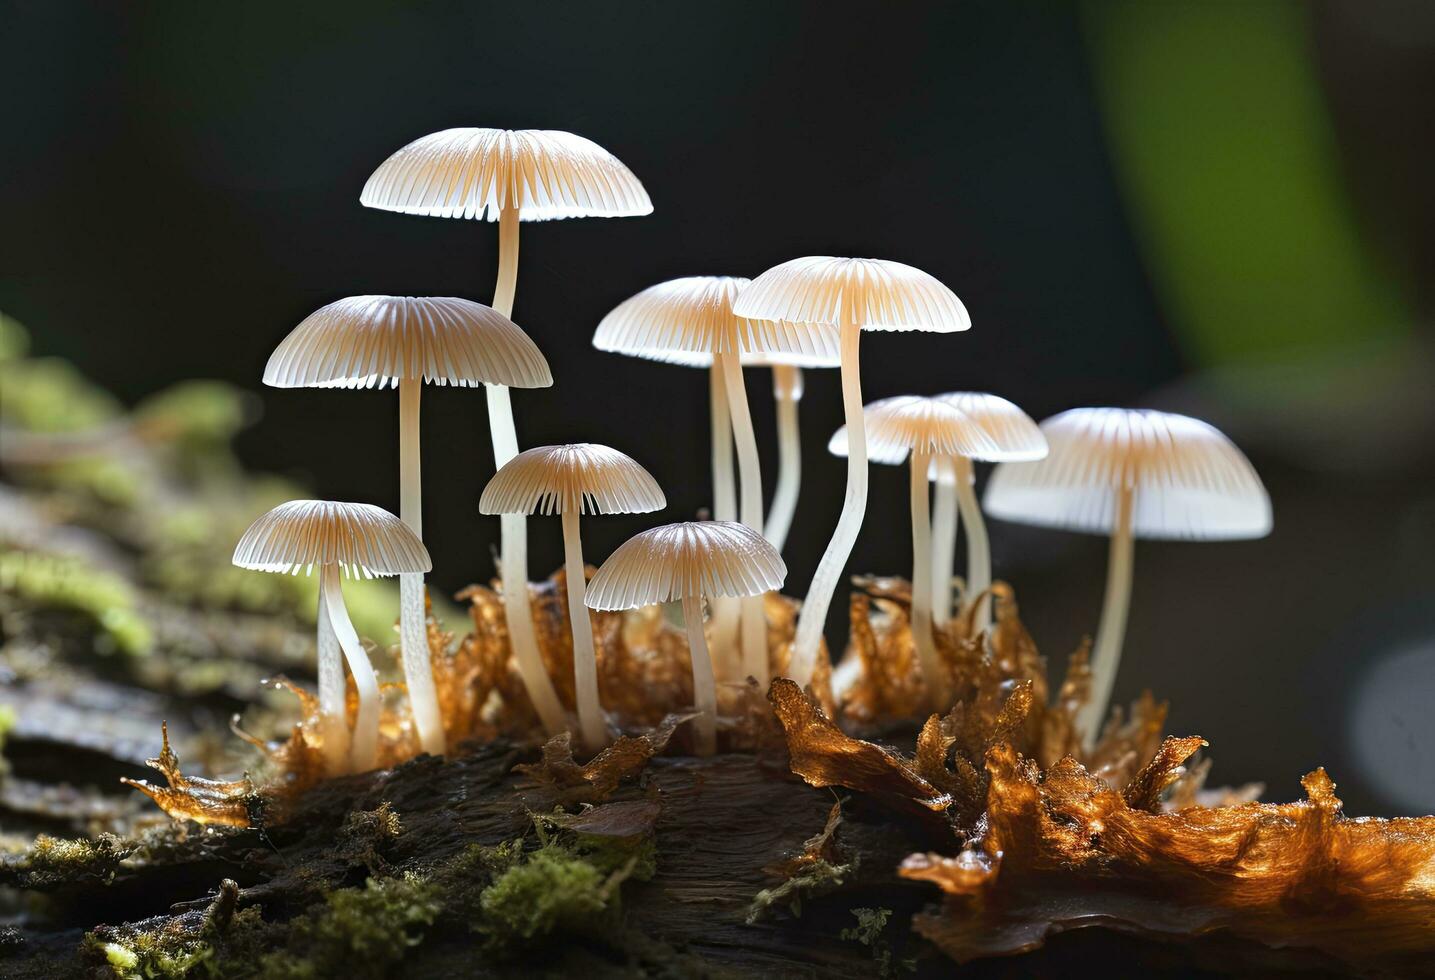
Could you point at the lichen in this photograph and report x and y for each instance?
(870, 931)
(819, 869)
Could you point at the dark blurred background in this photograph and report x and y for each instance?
(1218, 208)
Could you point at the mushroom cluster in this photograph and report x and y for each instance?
(1113, 471)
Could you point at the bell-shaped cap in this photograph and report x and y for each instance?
(475, 173)
(581, 478)
(1016, 435)
(899, 426)
(1188, 480)
(694, 558)
(368, 341)
(687, 321)
(877, 294)
(360, 538)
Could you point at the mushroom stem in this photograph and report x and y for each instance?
(724, 483)
(754, 621)
(944, 542)
(725, 609)
(333, 711)
(585, 661)
(364, 752)
(704, 689)
(413, 627)
(786, 391)
(979, 554)
(1106, 652)
(922, 585)
(512, 527)
(813, 618)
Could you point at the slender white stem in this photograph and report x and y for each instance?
(813, 618)
(944, 541)
(787, 392)
(922, 583)
(413, 615)
(1106, 652)
(724, 480)
(512, 527)
(333, 706)
(726, 610)
(979, 552)
(585, 661)
(364, 751)
(754, 618)
(704, 689)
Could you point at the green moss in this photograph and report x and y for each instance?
(156, 955)
(357, 933)
(551, 891)
(196, 414)
(49, 395)
(870, 932)
(54, 860)
(7, 722)
(64, 582)
(14, 339)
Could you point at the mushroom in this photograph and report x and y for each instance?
(1017, 439)
(909, 427)
(403, 341)
(852, 295)
(568, 480)
(690, 561)
(1130, 473)
(692, 317)
(507, 176)
(353, 539)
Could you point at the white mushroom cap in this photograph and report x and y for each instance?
(686, 321)
(1015, 433)
(898, 426)
(1189, 480)
(361, 538)
(695, 558)
(368, 341)
(475, 173)
(582, 478)
(884, 295)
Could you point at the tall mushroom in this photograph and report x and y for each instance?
(693, 316)
(1130, 473)
(507, 176)
(690, 561)
(915, 429)
(338, 538)
(569, 480)
(404, 341)
(852, 295)
(1017, 439)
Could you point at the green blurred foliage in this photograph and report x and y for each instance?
(1229, 166)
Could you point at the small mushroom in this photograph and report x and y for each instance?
(352, 539)
(1130, 473)
(404, 341)
(569, 480)
(507, 176)
(1017, 439)
(916, 429)
(690, 561)
(692, 317)
(852, 295)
